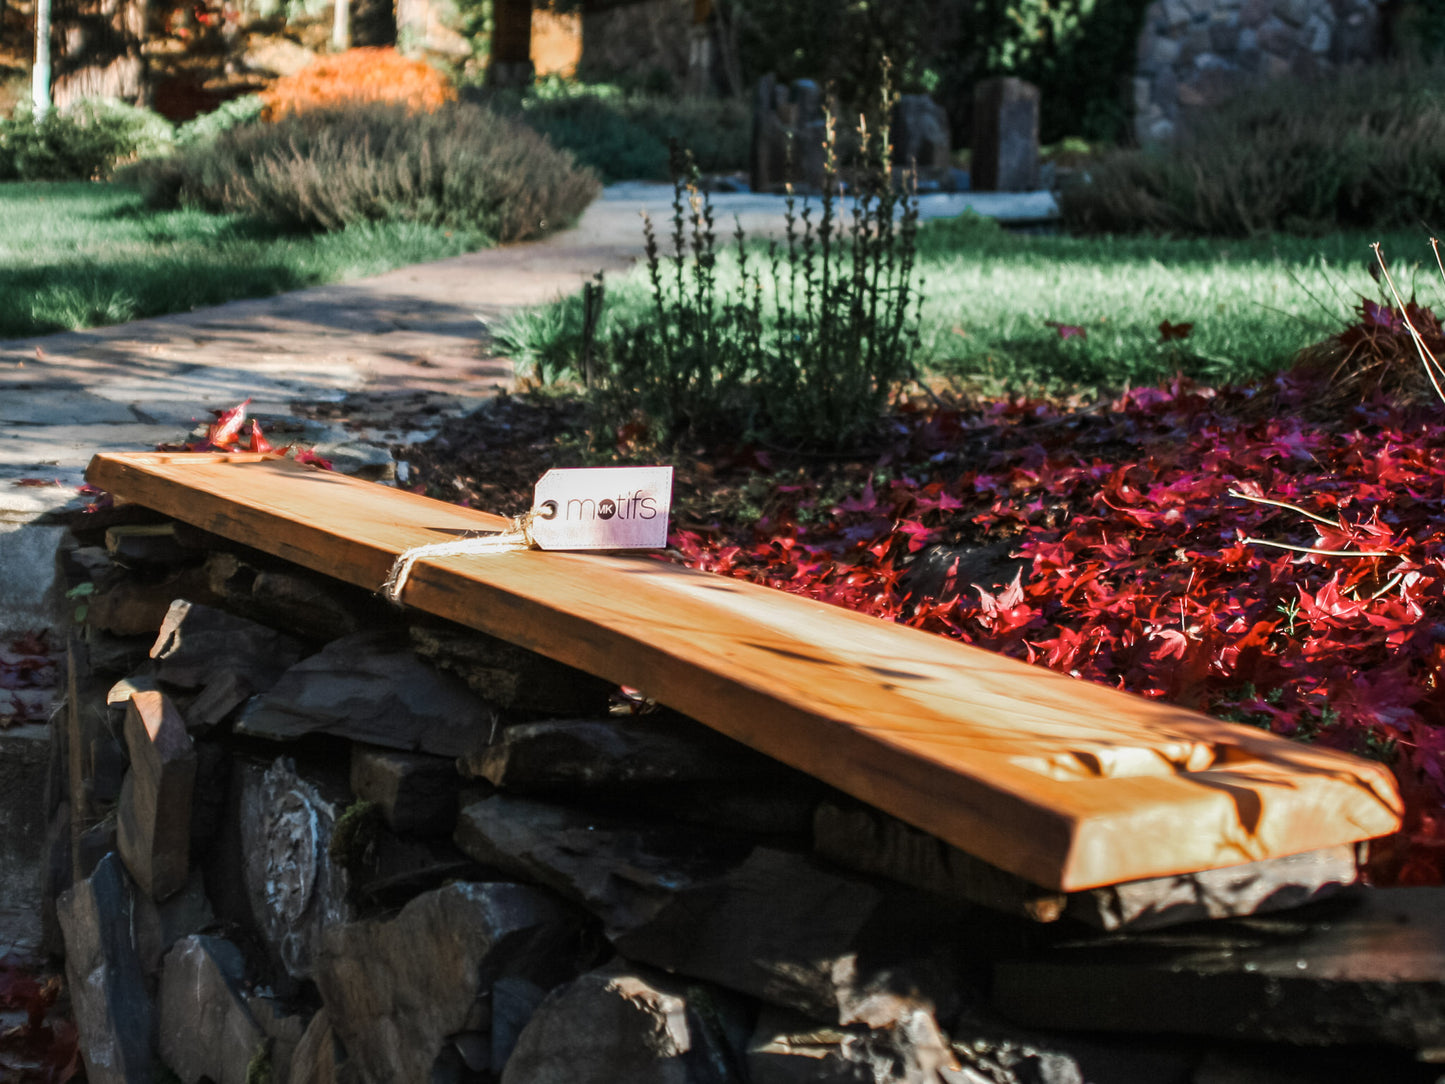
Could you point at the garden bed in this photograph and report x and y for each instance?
(323, 838)
(1104, 541)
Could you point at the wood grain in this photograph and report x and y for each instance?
(1068, 784)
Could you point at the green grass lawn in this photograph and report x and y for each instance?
(83, 255)
(991, 298)
(991, 295)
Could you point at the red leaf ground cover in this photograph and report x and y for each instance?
(234, 431)
(28, 675)
(1144, 565)
(43, 1047)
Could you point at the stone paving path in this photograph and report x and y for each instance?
(406, 333)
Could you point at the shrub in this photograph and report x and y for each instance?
(1365, 149)
(86, 142)
(806, 349)
(223, 118)
(625, 136)
(460, 166)
(628, 138)
(601, 134)
(357, 76)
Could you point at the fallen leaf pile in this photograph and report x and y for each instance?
(42, 1048)
(28, 676)
(230, 433)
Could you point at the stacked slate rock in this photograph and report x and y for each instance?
(316, 838)
(1195, 54)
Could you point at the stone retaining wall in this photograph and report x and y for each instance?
(322, 840)
(1193, 53)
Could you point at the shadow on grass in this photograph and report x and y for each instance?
(64, 297)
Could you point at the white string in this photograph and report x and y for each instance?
(516, 537)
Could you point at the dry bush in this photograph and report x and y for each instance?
(1377, 355)
(1365, 149)
(460, 166)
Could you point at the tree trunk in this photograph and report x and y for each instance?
(100, 53)
(40, 74)
(701, 78)
(341, 27)
(511, 61)
(374, 22)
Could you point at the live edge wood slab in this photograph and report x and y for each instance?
(1067, 784)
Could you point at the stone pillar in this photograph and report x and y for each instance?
(1005, 136)
(920, 134)
(787, 144)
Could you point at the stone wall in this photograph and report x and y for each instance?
(323, 840)
(1194, 53)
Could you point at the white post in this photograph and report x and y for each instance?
(340, 26)
(40, 74)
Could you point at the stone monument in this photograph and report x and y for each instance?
(1005, 136)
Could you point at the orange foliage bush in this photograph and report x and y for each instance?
(358, 76)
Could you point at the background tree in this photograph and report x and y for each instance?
(511, 46)
(1079, 52)
(100, 50)
(40, 73)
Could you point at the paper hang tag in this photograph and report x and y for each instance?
(602, 508)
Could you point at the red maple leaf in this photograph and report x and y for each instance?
(226, 429)
(311, 459)
(258, 441)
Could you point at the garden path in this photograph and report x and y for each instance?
(407, 340)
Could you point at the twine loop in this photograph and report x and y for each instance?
(517, 536)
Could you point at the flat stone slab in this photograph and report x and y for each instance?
(567, 755)
(63, 407)
(623, 870)
(196, 642)
(787, 1048)
(397, 989)
(508, 676)
(153, 819)
(112, 1009)
(785, 929)
(43, 450)
(1366, 968)
(371, 688)
(862, 838)
(413, 791)
(27, 555)
(627, 1023)
(205, 1030)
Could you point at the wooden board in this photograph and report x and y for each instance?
(1068, 784)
